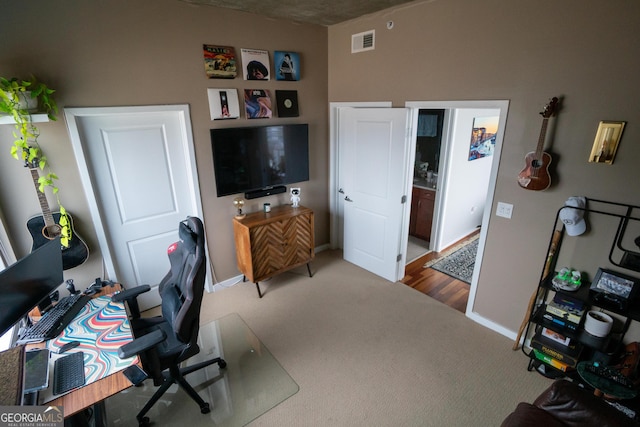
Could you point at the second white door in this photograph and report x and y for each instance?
(373, 146)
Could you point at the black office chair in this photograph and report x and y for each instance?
(163, 342)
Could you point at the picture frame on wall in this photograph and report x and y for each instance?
(286, 65)
(483, 137)
(223, 104)
(256, 64)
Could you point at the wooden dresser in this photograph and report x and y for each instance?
(269, 243)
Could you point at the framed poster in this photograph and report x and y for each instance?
(483, 137)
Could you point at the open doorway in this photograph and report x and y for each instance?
(445, 202)
(428, 144)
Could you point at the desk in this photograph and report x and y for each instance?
(97, 391)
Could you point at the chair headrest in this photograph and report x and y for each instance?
(187, 236)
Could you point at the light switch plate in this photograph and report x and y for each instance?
(504, 210)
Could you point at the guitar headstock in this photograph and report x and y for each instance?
(32, 158)
(551, 108)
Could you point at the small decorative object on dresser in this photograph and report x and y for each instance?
(238, 202)
(295, 197)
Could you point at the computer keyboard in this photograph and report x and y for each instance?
(55, 320)
(68, 373)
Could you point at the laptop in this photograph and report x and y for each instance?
(36, 370)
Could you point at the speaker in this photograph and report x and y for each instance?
(265, 192)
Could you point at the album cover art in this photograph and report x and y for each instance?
(219, 62)
(287, 65)
(257, 104)
(287, 102)
(223, 104)
(256, 64)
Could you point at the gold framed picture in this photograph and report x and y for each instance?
(606, 142)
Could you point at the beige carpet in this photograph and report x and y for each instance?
(367, 352)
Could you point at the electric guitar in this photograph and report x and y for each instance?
(535, 175)
(46, 227)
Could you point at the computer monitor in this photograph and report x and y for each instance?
(24, 284)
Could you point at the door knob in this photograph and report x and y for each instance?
(341, 191)
(347, 199)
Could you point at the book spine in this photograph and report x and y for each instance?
(551, 361)
(562, 322)
(571, 317)
(555, 354)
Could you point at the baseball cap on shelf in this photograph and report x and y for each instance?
(573, 219)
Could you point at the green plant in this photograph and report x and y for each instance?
(13, 96)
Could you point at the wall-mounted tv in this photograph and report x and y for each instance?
(250, 159)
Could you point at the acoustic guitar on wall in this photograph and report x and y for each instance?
(44, 228)
(535, 175)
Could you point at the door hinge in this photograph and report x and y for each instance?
(399, 258)
(404, 199)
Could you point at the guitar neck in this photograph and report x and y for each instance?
(42, 198)
(543, 134)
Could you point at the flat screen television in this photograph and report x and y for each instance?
(251, 159)
(24, 284)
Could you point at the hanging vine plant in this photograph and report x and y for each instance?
(19, 99)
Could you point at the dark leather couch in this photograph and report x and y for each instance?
(566, 404)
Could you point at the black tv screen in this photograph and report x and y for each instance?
(254, 158)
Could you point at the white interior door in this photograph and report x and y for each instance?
(373, 146)
(139, 175)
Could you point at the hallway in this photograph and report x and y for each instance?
(444, 288)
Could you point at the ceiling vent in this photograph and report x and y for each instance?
(363, 41)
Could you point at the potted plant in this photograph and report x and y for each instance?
(19, 99)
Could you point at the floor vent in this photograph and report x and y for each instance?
(363, 41)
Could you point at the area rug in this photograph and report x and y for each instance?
(457, 262)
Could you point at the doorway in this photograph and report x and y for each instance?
(443, 202)
(428, 144)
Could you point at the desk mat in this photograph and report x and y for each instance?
(101, 327)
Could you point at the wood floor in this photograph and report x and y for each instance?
(443, 288)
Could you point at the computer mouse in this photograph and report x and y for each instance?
(68, 346)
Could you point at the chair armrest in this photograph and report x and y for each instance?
(141, 344)
(130, 295)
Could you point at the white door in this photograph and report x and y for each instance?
(138, 171)
(374, 154)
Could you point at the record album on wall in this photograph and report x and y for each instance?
(287, 102)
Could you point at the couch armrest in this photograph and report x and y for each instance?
(528, 415)
(576, 407)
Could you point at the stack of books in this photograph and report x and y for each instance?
(555, 349)
(565, 311)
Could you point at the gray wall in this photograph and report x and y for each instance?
(524, 52)
(118, 52)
